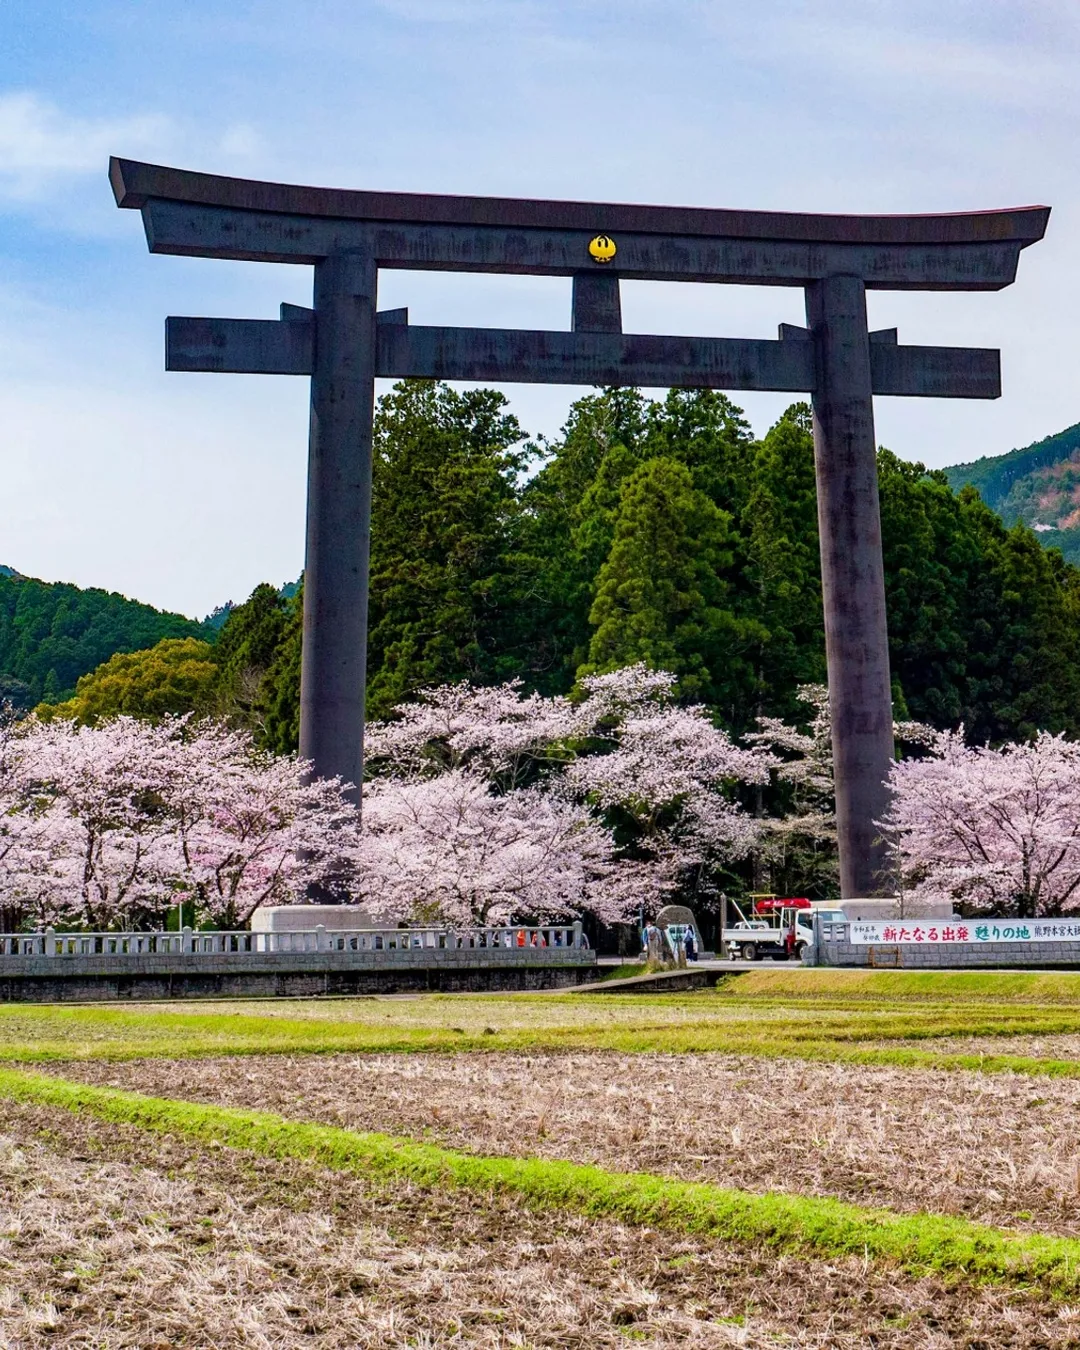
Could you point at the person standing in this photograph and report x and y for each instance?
(654, 943)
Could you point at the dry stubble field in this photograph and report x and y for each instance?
(167, 1232)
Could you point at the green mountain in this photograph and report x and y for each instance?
(218, 617)
(51, 633)
(1039, 485)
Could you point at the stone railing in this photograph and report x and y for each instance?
(528, 942)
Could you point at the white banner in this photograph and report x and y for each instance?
(908, 931)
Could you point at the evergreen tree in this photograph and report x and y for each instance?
(596, 423)
(594, 517)
(52, 633)
(246, 650)
(452, 591)
(281, 688)
(660, 595)
(1023, 653)
(569, 505)
(15, 695)
(933, 560)
(783, 570)
(710, 435)
(982, 620)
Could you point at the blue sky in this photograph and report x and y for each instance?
(186, 490)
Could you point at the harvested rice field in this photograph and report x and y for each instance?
(1063, 1049)
(995, 1148)
(792, 1159)
(113, 1238)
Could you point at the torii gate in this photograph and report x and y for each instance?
(343, 344)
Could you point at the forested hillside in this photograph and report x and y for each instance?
(50, 634)
(663, 531)
(657, 531)
(215, 620)
(1039, 485)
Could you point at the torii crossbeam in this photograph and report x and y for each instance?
(343, 344)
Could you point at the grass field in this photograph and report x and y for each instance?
(981, 1021)
(798, 1158)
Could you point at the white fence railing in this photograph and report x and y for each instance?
(528, 941)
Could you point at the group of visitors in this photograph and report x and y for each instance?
(659, 945)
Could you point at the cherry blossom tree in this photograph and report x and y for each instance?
(994, 829)
(802, 835)
(493, 802)
(450, 849)
(255, 828)
(455, 725)
(111, 835)
(630, 689)
(668, 770)
(460, 823)
(30, 876)
(108, 826)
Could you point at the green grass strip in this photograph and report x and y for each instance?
(811, 983)
(896, 1035)
(832, 1052)
(919, 1243)
(784, 1041)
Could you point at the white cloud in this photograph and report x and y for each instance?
(241, 141)
(40, 145)
(895, 50)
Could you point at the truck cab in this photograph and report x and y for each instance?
(778, 926)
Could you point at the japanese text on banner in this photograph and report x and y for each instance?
(915, 932)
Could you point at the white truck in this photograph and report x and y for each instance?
(776, 926)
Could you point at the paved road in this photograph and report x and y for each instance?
(608, 962)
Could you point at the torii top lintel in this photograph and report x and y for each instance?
(207, 215)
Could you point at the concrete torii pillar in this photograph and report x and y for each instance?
(852, 576)
(333, 675)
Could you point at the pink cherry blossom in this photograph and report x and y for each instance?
(461, 724)
(804, 759)
(670, 770)
(112, 836)
(450, 849)
(31, 876)
(622, 747)
(255, 828)
(108, 826)
(994, 829)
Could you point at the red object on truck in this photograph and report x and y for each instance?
(770, 903)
